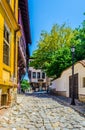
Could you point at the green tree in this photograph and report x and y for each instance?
(60, 61)
(80, 48)
(25, 85)
(50, 54)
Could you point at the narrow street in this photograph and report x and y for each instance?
(41, 112)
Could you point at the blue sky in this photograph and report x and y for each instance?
(44, 13)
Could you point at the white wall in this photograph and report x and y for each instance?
(62, 83)
(53, 86)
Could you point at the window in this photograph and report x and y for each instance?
(38, 75)
(8, 1)
(6, 46)
(84, 82)
(34, 75)
(43, 75)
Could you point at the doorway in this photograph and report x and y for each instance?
(3, 99)
(75, 86)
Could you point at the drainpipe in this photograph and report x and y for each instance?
(15, 40)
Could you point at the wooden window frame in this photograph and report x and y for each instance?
(6, 45)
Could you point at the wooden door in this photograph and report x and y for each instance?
(3, 99)
(75, 86)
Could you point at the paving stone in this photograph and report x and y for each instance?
(83, 123)
(42, 128)
(37, 113)
(38, 125)
(65, 128)
(48, 126)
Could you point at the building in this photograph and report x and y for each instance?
(63, 85)
(8, 51)
(38, 79)
(23, 51)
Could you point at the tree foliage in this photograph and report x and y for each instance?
(60, 61)
(53, 54)
(80, 48)
(25, 85)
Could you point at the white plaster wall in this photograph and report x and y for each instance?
(53, 86)
(80, 83)
(62, 83)
(65, 78)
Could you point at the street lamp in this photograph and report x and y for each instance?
(73, 98)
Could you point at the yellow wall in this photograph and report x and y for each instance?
(7, 71)
(8, 83)
(1, 44)
(14, 7)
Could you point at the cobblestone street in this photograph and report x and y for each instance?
(41, 112)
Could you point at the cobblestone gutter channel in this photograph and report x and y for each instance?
(41, 112)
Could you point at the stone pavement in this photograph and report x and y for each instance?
(20, 97)
(79, 106)
(41, 112)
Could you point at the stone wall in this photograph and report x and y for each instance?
(8, 96)
(13, 96)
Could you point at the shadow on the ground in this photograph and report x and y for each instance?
(79, 107)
